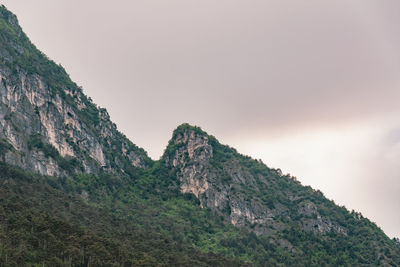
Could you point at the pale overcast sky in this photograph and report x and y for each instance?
(311, 87)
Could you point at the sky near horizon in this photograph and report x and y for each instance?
(310, 87)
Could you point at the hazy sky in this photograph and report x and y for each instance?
(311, 87)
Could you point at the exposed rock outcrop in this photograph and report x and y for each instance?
(54, 129)
(239, 188)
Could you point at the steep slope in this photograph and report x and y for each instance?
(249, 194)
(52, 126)
(93, 184)
(74, 190)
(47, 221)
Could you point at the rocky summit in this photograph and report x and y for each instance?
(74, 191)
(53, 127)
(245, 191)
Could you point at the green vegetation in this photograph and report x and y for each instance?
(19, 56)
(132, 216)
(4, 147)
(22, 54)
(48, 223)
(147, 221)
(70, 165)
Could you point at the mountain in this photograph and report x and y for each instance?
(250, 195)
(74, 191)
(53, 127)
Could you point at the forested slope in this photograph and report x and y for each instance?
(74, 191)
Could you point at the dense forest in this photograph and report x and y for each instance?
(74, 191)
(107, 220)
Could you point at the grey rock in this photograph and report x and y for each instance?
(234, 191)
(33, 104)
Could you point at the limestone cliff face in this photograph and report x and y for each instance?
(245, 191)
(196, 150)
(52, 127)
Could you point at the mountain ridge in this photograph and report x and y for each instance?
(202, 203)
(36, 90)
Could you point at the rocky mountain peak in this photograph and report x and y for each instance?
(47, 122)
(190, 143)
(116, 207)
(241, 189)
